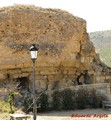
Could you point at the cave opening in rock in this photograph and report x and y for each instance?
(23, 83)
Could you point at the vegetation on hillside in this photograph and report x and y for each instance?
(102, 43)
(4, 109)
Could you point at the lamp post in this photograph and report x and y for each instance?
(33, 52)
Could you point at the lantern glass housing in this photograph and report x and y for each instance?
(33, 52)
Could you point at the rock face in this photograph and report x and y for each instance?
(66, 56)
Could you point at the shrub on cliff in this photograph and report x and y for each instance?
(81, 99)
(68, 99)
(64, 100)
(43, 101)
(97, 99)
(28, 104)
(57, 100)
(86, 99)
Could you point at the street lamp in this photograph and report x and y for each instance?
(33, 52)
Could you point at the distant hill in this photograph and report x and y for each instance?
(102, 43)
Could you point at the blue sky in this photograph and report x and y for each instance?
(95, 12)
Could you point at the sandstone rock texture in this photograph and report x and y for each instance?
(66, 56)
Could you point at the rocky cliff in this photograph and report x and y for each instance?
(66, 55)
